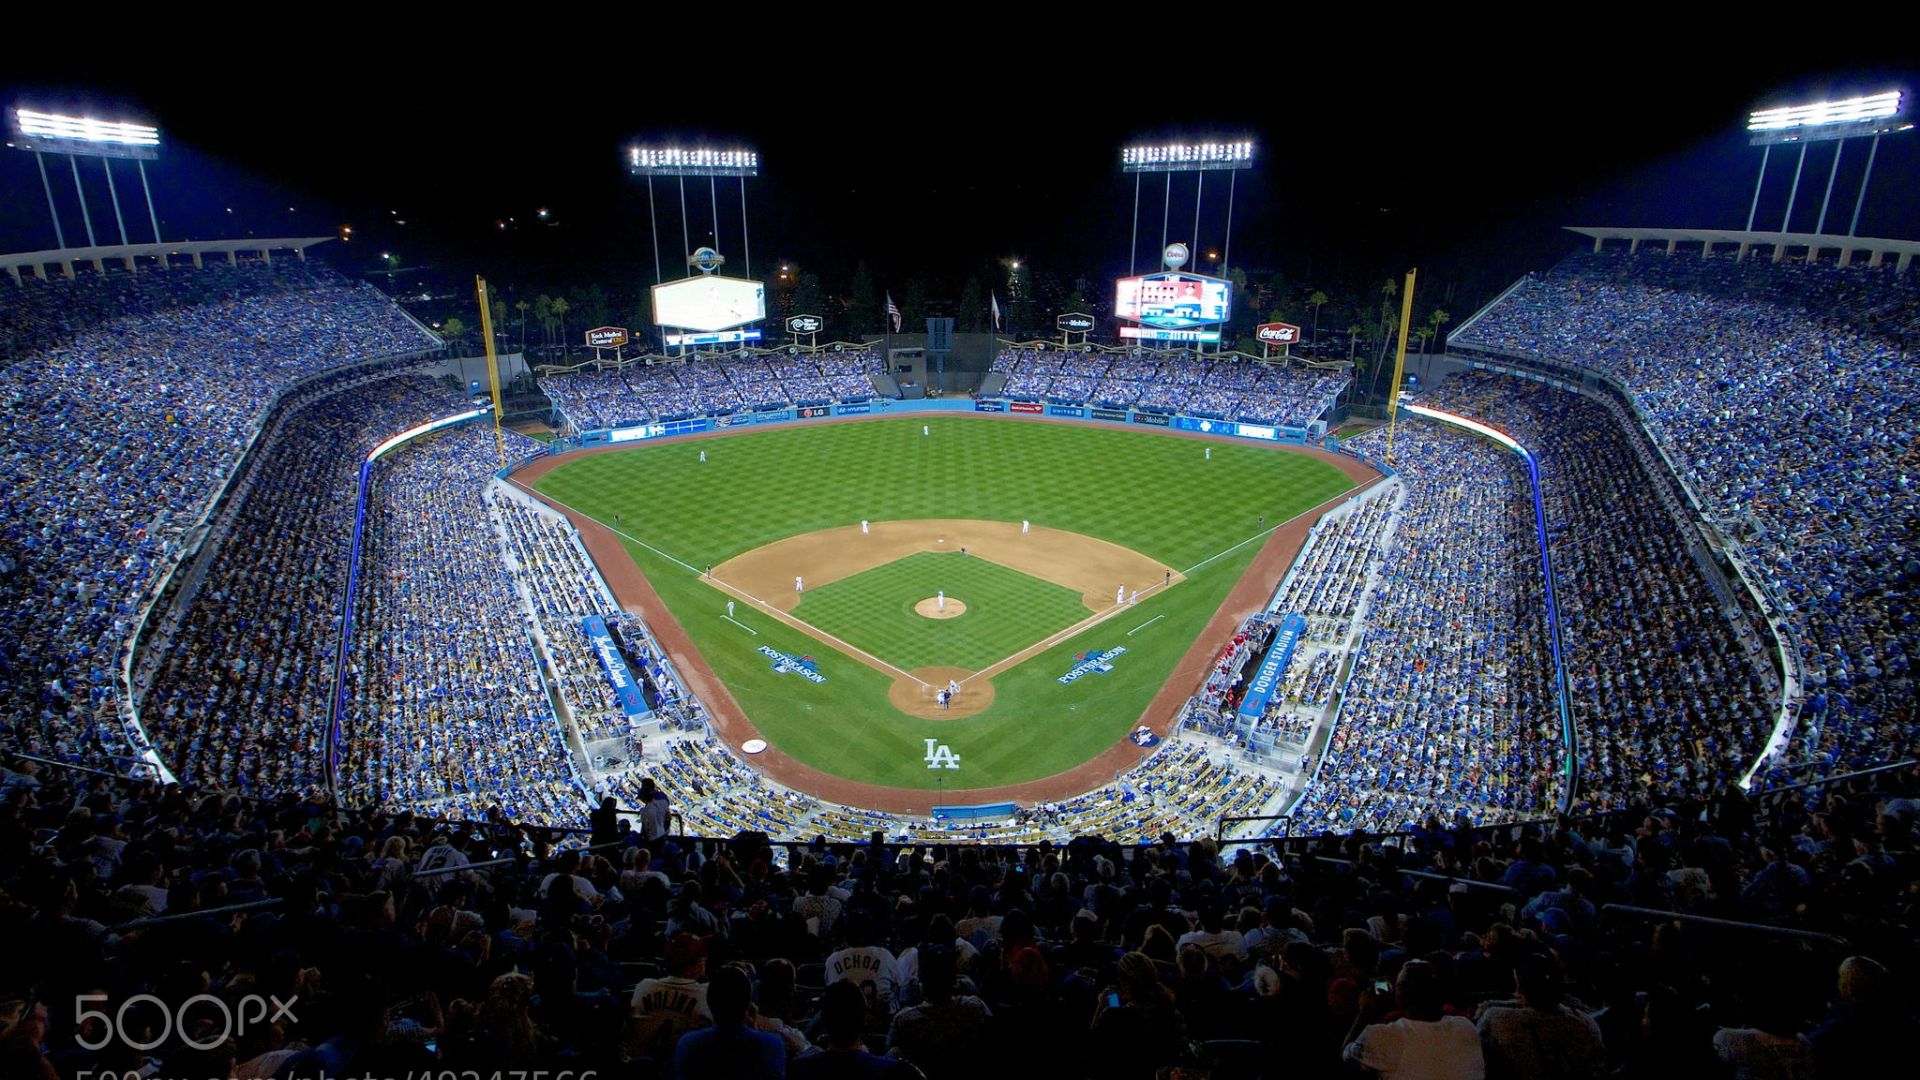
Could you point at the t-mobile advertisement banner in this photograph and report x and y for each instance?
(1151, 419)
(1026, 407)
(615, 665)
(1266, 679)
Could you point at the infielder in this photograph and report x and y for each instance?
(863, 526)
(1120, 595)
(799, 585)
(1025, 526)
(729, 609)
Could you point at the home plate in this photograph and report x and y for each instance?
(754, 746)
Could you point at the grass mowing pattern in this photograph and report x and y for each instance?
(1006, 611)
(1156, 494)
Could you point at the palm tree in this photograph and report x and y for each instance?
(455, 331)
(521, 306)
(1438, 319)
(543, 314)
(1353, 339)
(560, 309)
(1314, 301)
(500, 324)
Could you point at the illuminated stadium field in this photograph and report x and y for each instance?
(767, 507)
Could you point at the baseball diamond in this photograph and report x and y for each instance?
(1141, 514)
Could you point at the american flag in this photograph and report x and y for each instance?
(995, 301)
(893, 312)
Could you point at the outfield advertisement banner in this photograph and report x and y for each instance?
(854, 409)
(615, 665)
(1066, 410)
(1118, 416)
(1025, 407)
(989, 406)
(752, 419)
(661, 431)
(1152, 419)
(1267, 678)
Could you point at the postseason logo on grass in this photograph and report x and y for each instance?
(1091, 662)
(802, 666)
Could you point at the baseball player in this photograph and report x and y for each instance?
(799, 585)
(729, 609)
(953, 688)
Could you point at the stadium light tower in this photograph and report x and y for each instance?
(83, 136)
(1230, 155)
(1837, 121)
(681, 162)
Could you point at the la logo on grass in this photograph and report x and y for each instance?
(940, 756)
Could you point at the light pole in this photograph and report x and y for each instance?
(44, 133)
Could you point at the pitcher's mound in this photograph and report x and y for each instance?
(930, 607)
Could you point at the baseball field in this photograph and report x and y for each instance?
(837, 577)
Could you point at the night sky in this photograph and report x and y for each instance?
(936, 159)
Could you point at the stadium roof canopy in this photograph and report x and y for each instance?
(1811, 244)
(157, 256)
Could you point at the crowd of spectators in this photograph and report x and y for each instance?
(240, 684)
(1785, 395)
(1450, 709)
(125, 404)
(443, 700)
(556, 578)
(1221, 388)
(1503, 952)
(615, 397)
(1664, 691)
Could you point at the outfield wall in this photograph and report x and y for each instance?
(1205, 425)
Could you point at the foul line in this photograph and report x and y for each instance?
(741, 625)
(807, 628)
(1087, 624)
(609, 528)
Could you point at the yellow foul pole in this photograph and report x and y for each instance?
(493, 361)
(1399, 362)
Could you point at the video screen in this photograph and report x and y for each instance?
(1172, 300)
(709, 302)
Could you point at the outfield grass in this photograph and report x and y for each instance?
(1156, 494)
(1006, 611)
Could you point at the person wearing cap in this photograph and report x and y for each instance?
(666, 1008)
(731, 1049)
